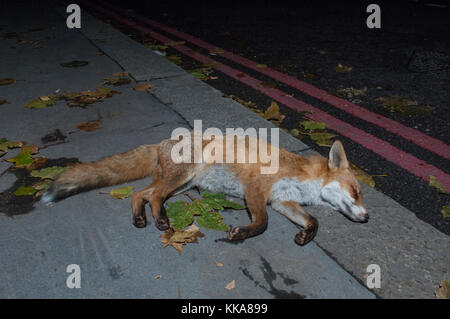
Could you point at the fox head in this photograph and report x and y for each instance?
(341, 191)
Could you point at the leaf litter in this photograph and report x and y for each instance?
(182, 215)
(403, 106)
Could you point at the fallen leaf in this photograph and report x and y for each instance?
(179, 214)
(218, 264)
(142, 86)
(444, 290)
(122, 193)
(74, 64)
(174, 59)
(231, 285)
(294, 132)
(312, 125)
(48, 172)
(178, 238)
(120, 74)
(6, 81)
(25, 191)
(445, 211)
(22, 159)
(273, 112)
(157, 277)
(268, 84)
(43, 101)
(32, 148)
(403, 106)
(5, 144)
(362, 176)
(433, 182)
(89, 126)
(175, 43)
(38, 162)
(322, 138)
(342, 68)
(116, 81)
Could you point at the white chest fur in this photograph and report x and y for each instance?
(218, 179)
(303, 192)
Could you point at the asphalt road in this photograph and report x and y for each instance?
(408, 57)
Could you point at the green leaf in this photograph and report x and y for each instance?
(122, 193)
(435, 183)
(5, 144)
(25, 191)
(179, 214)
(312, 125)
(446, 211)
(22, 159)
(212, 220)
(36, 104)
(322, 138)
(49, 172)
(218, 201)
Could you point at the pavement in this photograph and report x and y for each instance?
(94, 230)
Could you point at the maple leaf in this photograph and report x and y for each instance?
(178, 238)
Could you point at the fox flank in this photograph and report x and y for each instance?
(298, 181)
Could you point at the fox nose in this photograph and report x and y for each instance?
(364, 217)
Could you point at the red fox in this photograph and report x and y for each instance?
(299, 181)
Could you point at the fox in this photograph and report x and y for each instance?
(299, 181)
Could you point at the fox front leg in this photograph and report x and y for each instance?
(256, 204)
(295, 213)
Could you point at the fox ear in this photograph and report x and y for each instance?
(337, 157)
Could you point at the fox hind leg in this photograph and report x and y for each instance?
(163, 185)
(295, 213)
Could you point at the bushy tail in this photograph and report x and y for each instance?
(111, 170)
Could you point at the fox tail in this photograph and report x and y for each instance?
(116, 169)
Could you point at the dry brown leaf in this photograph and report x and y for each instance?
(120, 74)
(178, 238)
(89, 126)
(273, 112)
(157, 277)
(142, 86)
(231, 285)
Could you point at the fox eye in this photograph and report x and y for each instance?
(355, 193)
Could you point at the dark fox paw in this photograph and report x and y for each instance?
(237, 233)
(305, 236)
(162, 223)
(140, 221)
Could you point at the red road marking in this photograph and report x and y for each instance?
(425, 141)
(405, 160)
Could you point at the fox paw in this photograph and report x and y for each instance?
(162, 223)
(305, 236)
(139, 221)
(237, 233)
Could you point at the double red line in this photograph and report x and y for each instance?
(376, 145)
